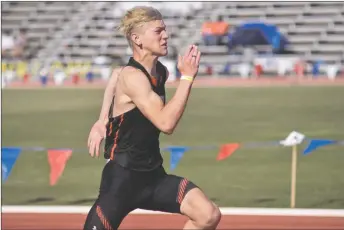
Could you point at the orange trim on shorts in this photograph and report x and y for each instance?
(116, 138)
(103, 219)
(181, 190)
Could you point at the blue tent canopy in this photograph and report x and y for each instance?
(257, 34)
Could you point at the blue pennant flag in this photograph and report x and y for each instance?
(9, 157)
(314, 144)
(176, 155)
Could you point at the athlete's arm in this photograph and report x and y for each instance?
(108, 95)
(165, 118)
(98, 130)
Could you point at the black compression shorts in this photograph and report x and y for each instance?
(123, 190)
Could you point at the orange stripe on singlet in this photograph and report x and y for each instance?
(116, 138)
(154, 81)
(110, 129)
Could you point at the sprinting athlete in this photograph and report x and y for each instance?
(134, 177)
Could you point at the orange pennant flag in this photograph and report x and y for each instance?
(227, 150)
(57, 160)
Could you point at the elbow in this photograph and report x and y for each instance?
(167, 128)
(168, 132)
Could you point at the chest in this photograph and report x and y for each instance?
(158, 86)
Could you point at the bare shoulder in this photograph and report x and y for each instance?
(131, 76)
(116, 71)
(114, 75)
(129, 70)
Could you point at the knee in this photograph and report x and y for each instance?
(209, 217)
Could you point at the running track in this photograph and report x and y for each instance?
(63, 217)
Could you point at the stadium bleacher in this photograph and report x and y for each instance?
(83, 31)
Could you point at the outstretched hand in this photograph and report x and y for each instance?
(188, 63)
(95, 138)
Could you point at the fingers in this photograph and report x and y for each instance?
(94, 144)
(90, 136)
(189, 53)
(104, 133)
(180, 59)
(189, 63)
(90, 143)
(91, 149)
(198, 58)
(194, 55)
(94, 148)
(89, 139)
(97, 148)
(98, 132)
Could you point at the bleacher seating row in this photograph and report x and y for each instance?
(86, 30)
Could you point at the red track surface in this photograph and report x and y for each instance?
(144, 221)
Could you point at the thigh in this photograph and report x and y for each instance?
(198, 207)
(106, 179)
(114, 201)
(105, 215)
(168, 193)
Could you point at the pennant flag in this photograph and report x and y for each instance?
(177, 154)
(9, 157)
(57, 160)
(294, 138)
(226, 150)
(314, 144)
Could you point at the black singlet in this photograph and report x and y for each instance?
(132, 140)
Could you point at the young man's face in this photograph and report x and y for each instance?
(153, 37)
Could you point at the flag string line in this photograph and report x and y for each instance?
(58, 157)
(247, 145)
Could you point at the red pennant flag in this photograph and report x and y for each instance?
(227, 150)
(57, 161)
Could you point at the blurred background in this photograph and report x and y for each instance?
(76, 43)
(67, 40)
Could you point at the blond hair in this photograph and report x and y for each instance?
(136, 17)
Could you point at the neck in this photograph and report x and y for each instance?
(146, 60)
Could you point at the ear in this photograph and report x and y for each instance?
(135, 38)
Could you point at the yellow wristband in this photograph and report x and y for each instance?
(188, 78)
